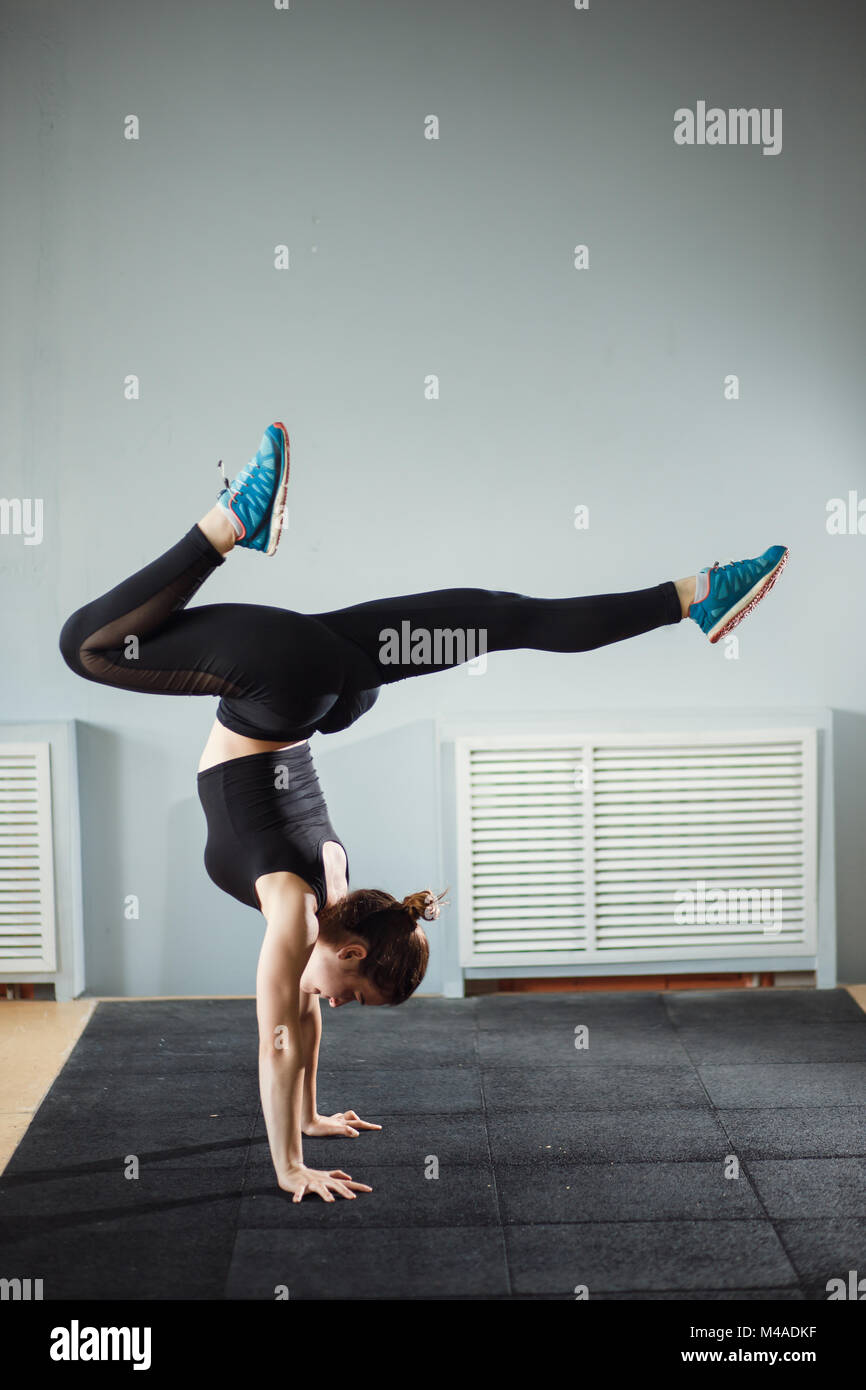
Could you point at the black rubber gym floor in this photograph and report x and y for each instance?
(512, 1163)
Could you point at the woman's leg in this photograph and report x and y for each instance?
(104, 640)
(409, 636)
(417, 633)
(278, 673)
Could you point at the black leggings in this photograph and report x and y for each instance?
(281, 676)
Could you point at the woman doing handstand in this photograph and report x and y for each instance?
(282, 676)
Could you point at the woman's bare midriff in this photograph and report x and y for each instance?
(221, 747)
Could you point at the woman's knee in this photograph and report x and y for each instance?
(73, 634)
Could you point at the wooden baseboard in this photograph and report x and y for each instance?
(626, 983)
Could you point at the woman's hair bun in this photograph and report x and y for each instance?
(426, 904)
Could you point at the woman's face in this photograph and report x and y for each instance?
(333, 972)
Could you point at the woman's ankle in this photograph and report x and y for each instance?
(218, 529)
(686, 591)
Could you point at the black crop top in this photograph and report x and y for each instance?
(265, 812)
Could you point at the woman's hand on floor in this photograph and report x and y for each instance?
(300, 1179)
(345, 1122)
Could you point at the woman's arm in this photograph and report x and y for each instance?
(288, 940)
(311, 1036)
(284, 953)
(346, 1122)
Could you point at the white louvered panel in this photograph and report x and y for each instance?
(593, 848)
(526, 826)
(27, 925)
(677, 864)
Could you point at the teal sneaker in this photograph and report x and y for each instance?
(729, 592)
(256, 497)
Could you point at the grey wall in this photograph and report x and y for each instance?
(409, 257)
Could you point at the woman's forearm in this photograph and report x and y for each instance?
(281, 1084)
(311, 1034)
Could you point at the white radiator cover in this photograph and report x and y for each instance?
(27, 909)
(636, 847)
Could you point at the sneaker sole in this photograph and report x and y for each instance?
(749, 601)
(278, 505)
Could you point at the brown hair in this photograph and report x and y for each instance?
(397, 947)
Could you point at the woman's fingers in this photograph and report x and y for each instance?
(356, 1120)
(345, 1180)
(349, 1188)
(325, 1184)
